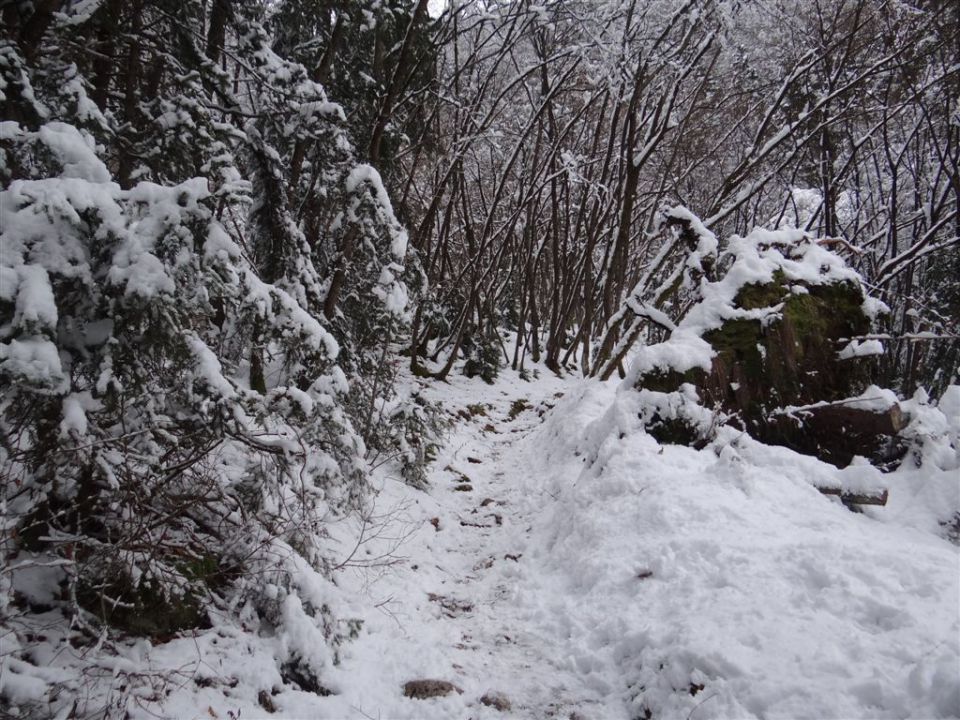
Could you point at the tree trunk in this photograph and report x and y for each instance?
(217, 32)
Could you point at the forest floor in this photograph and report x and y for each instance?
(562, 564)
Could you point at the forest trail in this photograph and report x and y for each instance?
(465, 606)
(216, 500)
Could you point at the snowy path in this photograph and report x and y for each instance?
(442, 583)
(469, 612)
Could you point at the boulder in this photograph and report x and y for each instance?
(791, 358)
(778, 346)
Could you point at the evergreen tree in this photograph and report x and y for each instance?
(184, 312)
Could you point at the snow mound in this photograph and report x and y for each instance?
(721, 584)
(927, 493)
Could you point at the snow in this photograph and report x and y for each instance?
(949, 405)
(779, 601)
(873, 308)
(874, 398)
(591, 572)
(74, 415)
(35, 305)
(684, 351)
(707, 244)
(397, 300)
(393, 294)
(806, 203)
(75, 152)
(34, 360)
(9, 130)
(208, 368)
(858, 348)
(140, 272)
(262, 296)
(363, 173)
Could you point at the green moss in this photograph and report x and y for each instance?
(806, 313)
(739, 342)
(735, 336)
(843, 307)
(823, 308)
(762, 295)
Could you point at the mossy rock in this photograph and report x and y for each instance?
(789, 359)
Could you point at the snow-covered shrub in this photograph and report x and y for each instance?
(176, 426)
(368, 303)
(396, 424)
(928, 475)
(416, 426)
(934, 429)
(482, 357)
(322, 227)
(135, 448)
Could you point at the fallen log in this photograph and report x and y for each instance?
(867, 497)
(836, 432)
(845, 414)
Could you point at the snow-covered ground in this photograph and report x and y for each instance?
(722, 584)
(563, 561)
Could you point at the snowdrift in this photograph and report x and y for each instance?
(720, 583)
